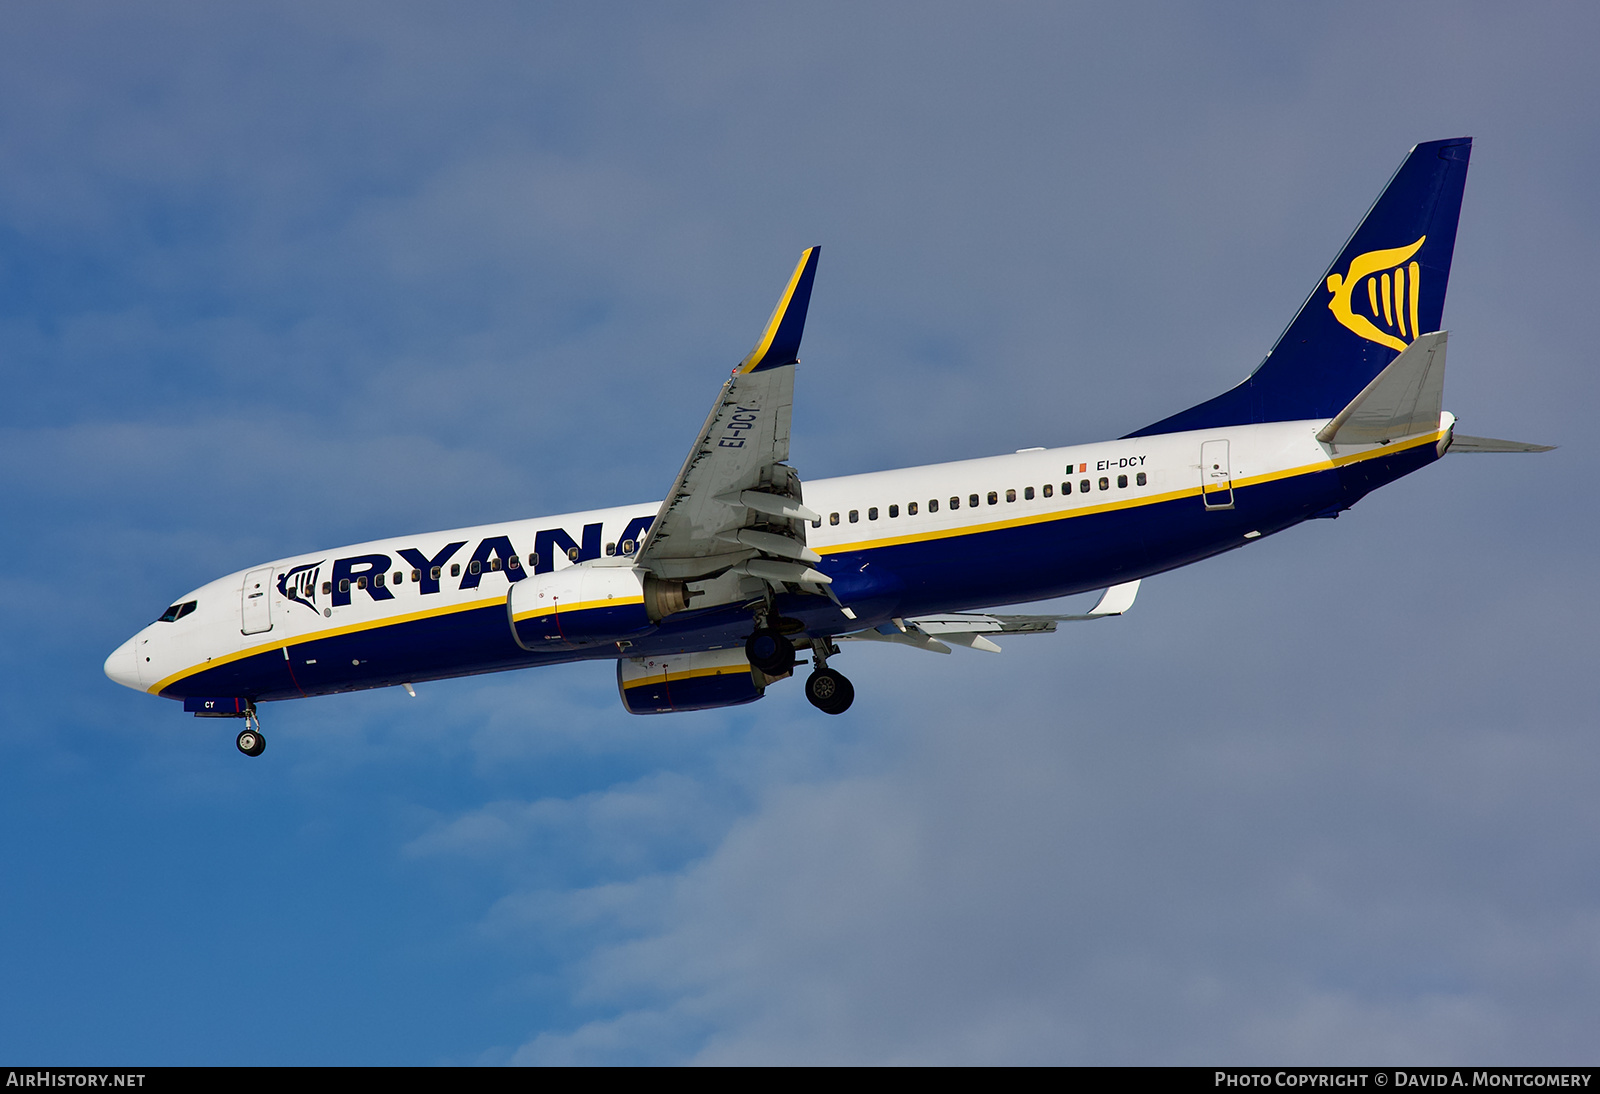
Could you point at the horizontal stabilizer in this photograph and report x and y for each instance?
(1404, 399)
(1460, 442)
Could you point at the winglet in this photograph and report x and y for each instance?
(779, 343)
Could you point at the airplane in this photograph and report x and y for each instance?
(708, 597)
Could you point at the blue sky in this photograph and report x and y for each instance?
(279, 277)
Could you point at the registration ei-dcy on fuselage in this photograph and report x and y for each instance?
(706, 598)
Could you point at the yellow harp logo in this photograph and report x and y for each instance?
(1391, 298)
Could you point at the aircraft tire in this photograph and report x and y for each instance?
(829, 691)
(250, 742)
(770, 651)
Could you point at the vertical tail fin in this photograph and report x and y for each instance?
(1385, 288)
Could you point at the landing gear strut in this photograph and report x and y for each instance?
(250, 741)
(829, 691)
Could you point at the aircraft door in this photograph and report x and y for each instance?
(1216, 480)
(255, 602)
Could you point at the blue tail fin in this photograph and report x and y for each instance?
(1386, 287)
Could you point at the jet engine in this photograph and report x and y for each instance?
(688, 681)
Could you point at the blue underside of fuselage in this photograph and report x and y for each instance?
(957, 573)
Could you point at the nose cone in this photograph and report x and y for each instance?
(123, 666)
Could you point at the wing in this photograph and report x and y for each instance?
(933, 632)
(736, 506)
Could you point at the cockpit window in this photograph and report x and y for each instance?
(177, 611)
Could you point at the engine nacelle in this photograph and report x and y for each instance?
(688, 681)
(589, 606)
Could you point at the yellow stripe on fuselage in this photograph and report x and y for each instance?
(332, 632)
(1125, 503)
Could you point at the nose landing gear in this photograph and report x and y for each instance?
(250, 740)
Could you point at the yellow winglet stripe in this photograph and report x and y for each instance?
(755, 356)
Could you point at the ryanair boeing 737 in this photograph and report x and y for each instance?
(704, 599)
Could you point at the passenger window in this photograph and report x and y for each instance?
(972, 500)
(361, 582)
(416, 575)
(327, 587)
(1083, 486)
(611, 549)
(933, 505)
(1105, 484)
(911, 509)
(514, 563)
(1140, 479)
(1048, 490)
(344, 584)
(1011, 495)
(833, 518)
(455, 569)
(894, 511)
(572, 556)
(627, 549)
(434, 573)
(1027, 493)
(377, 580)
(817, 523)
(399, 577)
(872, 513)
(494, 565)
(1066, 488)
(955, 503)
(1122, 482)
(474, 567)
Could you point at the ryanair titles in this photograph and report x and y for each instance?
(376, 575)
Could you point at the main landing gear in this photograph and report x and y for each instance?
(771, 651)
(826, 689)
(829, 691)
(250, 741)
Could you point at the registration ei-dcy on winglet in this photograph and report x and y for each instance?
(704, 599)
